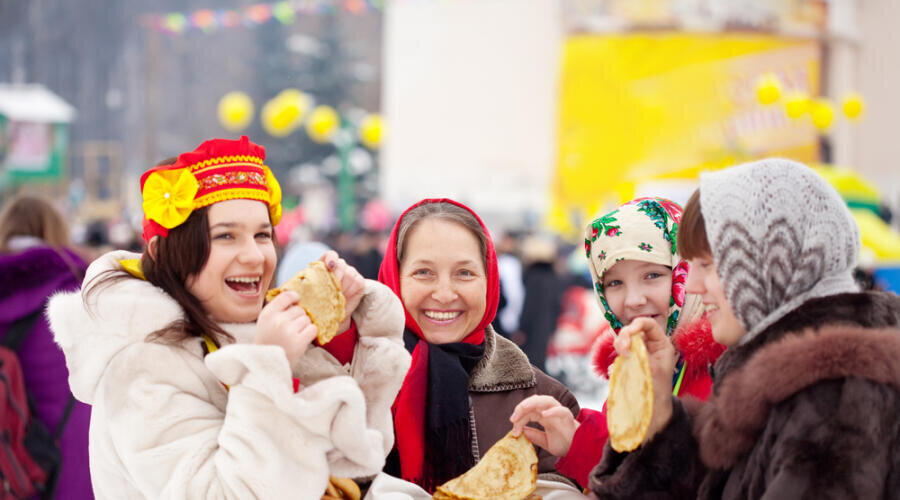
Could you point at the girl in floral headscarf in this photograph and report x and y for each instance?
(637, 272)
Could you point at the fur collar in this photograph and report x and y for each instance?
(867, 310)
(504, 366)
(694, 341)
(829, 348)
(93, 329)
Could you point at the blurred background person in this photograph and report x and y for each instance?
(512, 290)
(35, 262)
(543, 298)
(365, 256)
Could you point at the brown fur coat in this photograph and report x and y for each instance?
(808, 409)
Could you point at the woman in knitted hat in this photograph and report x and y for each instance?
(806, 396)
(465, 379)
(637, 272)
(199, 389)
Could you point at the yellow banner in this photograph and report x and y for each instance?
(639, 107)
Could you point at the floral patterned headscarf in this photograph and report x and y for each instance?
(643, 229)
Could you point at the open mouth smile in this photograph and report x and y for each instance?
(244, 285)
(442, 316)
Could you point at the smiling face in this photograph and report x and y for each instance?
(703, 280)
(231, 285)
(636, 289)
(443, 282)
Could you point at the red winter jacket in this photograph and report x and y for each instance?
(698, 349)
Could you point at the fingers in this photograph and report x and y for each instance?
(307, 332)
(622, 343)
(298, 322)
(557, 412)
(351, 281)
(532, 404)
(531, 409)
(648, 329)
(652, 331)
(537, 437)
(284, 300)
(330, 258)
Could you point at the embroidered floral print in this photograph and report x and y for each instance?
(604, 225)
(217, 180)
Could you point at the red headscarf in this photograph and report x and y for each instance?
(409, 407)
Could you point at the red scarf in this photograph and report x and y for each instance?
(409, 407)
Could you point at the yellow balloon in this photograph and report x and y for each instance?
(822, 113)
(322, 124)
(278, 118)
(297, 99)
(371, 131)
(768, 88)
(796, 104)
(853, 105)
(235, 111)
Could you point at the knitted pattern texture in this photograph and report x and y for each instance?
(780, 235)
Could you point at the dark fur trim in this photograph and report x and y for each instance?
(504, 366)
(650, 471)
(729, 425)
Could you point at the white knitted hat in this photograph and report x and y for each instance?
(780, 235)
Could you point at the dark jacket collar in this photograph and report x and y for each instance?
(504, 366)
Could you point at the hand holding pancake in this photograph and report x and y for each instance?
(283, 323)
(557, 420)
(353, 285)
(320, 296)
(660, 356)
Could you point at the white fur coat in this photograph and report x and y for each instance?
(164, 425)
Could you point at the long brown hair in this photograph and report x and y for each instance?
(26, 215)
(181, 254)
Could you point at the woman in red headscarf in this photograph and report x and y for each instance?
(465, 379)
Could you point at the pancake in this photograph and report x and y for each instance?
(320, 296)
(508, 471)
(629, 406)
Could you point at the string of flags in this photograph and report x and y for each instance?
(208, 21)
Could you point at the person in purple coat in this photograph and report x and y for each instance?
(34, 264)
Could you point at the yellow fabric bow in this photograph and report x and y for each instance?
(274, 196)
(169, 196)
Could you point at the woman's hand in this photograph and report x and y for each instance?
(661, 355)
(353, 285)
(284, 323)
(557, 420)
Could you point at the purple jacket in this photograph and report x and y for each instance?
(27, 279)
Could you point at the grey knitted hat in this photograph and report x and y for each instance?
(780, 235)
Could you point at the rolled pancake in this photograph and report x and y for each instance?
(629, 406)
